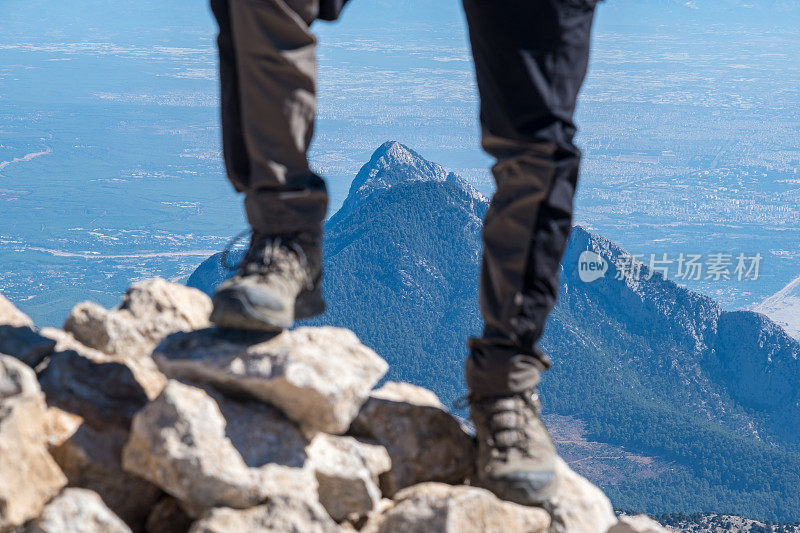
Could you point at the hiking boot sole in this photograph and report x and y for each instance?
(527, 488)
(234, 310)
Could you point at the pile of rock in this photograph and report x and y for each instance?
(144, 418)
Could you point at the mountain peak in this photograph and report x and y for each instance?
(393, 163)
(394, 151)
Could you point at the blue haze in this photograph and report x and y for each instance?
(688, 117)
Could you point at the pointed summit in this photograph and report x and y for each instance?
(394, 163)
(394, 151)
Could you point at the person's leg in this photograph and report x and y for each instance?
(530, 61)
(237, 163)
(268, 82)
(268, 98)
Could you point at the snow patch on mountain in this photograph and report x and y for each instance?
(783, 308)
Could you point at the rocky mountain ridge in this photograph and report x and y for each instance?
(145, 418)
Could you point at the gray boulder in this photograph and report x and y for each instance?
(578, 506)
(102, 393)
(279, 515)
(423, 439)
(21, 340)
(11, 316)
(28, 475)
(213, 451)
(319, 377)
(143, 368)
(441, 508)
(347, 471)
(150, 310)
(77, 511)
(105, 394)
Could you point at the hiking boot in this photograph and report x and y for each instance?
(516, 456)
(275, 284)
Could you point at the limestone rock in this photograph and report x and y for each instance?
(77, 511)
(279, 515)
(25, 344)
(637, 524)
(150, 310)
(347, 472)
(11, 316)
(92, 459)
(357, 523)
(424, 441)
(28, 475)
(212, 451)
(65, 342)
(60, 425)
(168, 517)
(105, 395)
(144, 368)
(319, 377)
(441, 508)
(17, 380)
(101, 329)
(102, 393)
(578, 506)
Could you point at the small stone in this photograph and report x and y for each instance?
(319, 377)
(28, 475)
(25, 344)
(150, 310)
(60, 425)
(17, 380)
(425, 442)
(213, 451)
(441, 508)
(11, 316)
(278, 515)
(77, 511)
(347, 472)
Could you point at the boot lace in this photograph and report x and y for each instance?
(266, 256)
(507, 422)
(223, 258)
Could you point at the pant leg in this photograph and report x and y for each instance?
(268, 101)
(530, 61)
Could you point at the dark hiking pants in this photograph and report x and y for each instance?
(530, 61)
(268, 78)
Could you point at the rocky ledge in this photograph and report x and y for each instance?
(145, 418)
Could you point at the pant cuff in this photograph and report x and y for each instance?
(496, 368)
(277, 213)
